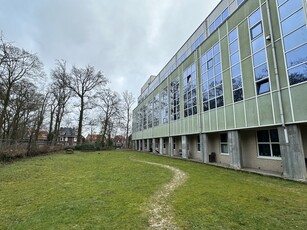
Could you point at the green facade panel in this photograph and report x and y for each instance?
(239, 114)
(229, 117)
(221, 119)
(265, 110)
(298, 94)
(285, 94)
(227, 87)
(244, 39)
(251, 112)
(248, 79)
(213, 121)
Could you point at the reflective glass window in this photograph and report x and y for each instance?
(237, 82)
(225, 14)
(294, 21)
(235, 58)
(236, 70)
(233, 35)
(238, 95)
(289, 8)
(233, 47)
(256, 30)
(261, 72)
(259, 58)
(255, 18)
(263, 86)
(298, 74)
(297, 56)
(257, 44)
(296, 38)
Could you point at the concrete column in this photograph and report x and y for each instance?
(139, 145)
(292, 153)
(234, 149)
(161, 146)
(143, 145)
(204, 149)
(148, 147)
(154, 145)
(184, 143)
(170, 146)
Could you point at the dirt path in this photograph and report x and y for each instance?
(161, 215)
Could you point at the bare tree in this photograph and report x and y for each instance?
(61, 93)
(83, 82)
(109, 104)
(128, 101)
(15, 64)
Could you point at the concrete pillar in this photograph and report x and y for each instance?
(234, 149)
(154, 145)
(143, 145)
(204, 149)
(139, 145)
(161, 146)
(292, 153)
(184, 143)
(170, 146)
(148, 145)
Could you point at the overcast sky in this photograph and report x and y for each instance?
(128, 40)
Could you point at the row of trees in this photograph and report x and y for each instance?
(26, 107)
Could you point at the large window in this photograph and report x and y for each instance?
(212, 83)
(259, 54)
(189, 91)
(235, 65)
(156, 110)
(175, 99)
(144, 115)
(164, 106)
(149, 114)
(293, 25)
(268, 143)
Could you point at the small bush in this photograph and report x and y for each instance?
(89, 147)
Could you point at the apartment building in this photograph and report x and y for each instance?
(235, 93)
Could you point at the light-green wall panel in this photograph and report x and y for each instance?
(248, 79)
(286, 105)
(251, 112)
(265, 110)
(221, 119)
(227, 82)
(239, 114)
(225, 54)
(229, 117)
(244, 40)
(299, 102)
(213, 120)
(276, 108)
(223, 30)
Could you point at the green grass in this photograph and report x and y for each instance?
(109, 190)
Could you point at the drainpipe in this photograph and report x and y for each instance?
(271, 38)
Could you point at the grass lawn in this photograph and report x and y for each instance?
(109, 190)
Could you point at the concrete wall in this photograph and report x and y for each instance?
(304, 138)
(250, 157)
(194, 153)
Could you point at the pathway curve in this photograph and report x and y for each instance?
(161, 215)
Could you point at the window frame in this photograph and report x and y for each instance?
(223, 143)
(270, 143)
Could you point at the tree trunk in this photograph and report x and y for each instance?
(79, 137)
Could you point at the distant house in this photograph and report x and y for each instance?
(42, 135)
(68, 136)
(93, 138)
